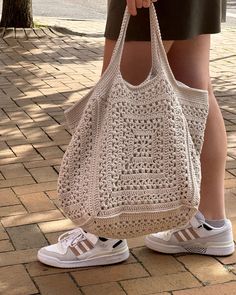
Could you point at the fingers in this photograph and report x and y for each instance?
(134, 4)
(139, 3)
(146, 3)
(132, 7)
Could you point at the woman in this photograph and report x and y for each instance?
(185, 27)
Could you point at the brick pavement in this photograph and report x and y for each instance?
(39, 79)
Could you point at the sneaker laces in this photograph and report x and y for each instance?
(71, 237)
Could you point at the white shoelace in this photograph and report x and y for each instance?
(71, 237)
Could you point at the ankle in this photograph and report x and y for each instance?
(212, 215)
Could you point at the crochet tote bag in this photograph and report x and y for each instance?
(132, 166)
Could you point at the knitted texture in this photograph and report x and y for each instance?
(132, 166)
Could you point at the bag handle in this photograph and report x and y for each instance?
(160, 62)
(159, 59)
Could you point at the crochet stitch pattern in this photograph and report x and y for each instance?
(132, 166)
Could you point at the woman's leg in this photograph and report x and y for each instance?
(189, 60)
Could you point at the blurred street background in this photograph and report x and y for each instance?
(90, 9)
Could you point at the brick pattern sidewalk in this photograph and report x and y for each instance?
(38, 80)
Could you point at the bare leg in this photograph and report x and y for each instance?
(189, 61)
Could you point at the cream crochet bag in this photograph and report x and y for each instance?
(132, 166)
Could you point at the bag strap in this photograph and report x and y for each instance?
(159, 59)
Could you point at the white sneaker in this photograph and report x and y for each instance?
(77, 248)
(196, 237)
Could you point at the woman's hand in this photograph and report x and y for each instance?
(134, 4)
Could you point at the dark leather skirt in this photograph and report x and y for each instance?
(178, 19)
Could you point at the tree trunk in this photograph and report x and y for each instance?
(17, 14)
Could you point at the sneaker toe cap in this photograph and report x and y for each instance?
(157, 237)
(48, 250)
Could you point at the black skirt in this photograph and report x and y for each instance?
(178, 19)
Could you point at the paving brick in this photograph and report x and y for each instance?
(43, 144)
(136, 242)
(109, 274)
(52, 194)
(228, 259)
(44, 174)
(50, 152)
(16, 281)
(20, 159)
(16, 115)
(157, 264)
(6, 153)
(20, 33)
(35, 134)
(31, 218)
(57, 168)
(231, 164)
(62, 137)
(12, 210)
(233, 220)
(16, 181)
(230, 183)
(60, 284)
(3, 235)
(219, 289)
(43, 163)
(26, 237)
(24, 150)
(157, 284)
(37, 268)
(230, 204)
(207, 269)
(102, 289)
(37, 202)
(7, 197)
(14, 171)
(35, 188)
(5, 245)
(232, 151)
(56, 226)
(232, 172)
(18, 257)
(9, 130)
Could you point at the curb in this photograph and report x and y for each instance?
(29, 33)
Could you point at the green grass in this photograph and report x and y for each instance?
(39, 25)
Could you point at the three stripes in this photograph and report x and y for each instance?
(81, 247)
(186, 235)
(85, 245)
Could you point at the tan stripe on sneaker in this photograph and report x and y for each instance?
(190, 234)
(82, 248)
(182, 236)
(186, 235)
(85, 246)
(75, 251)
(193, 233)
(88, 244)
(178, 237)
